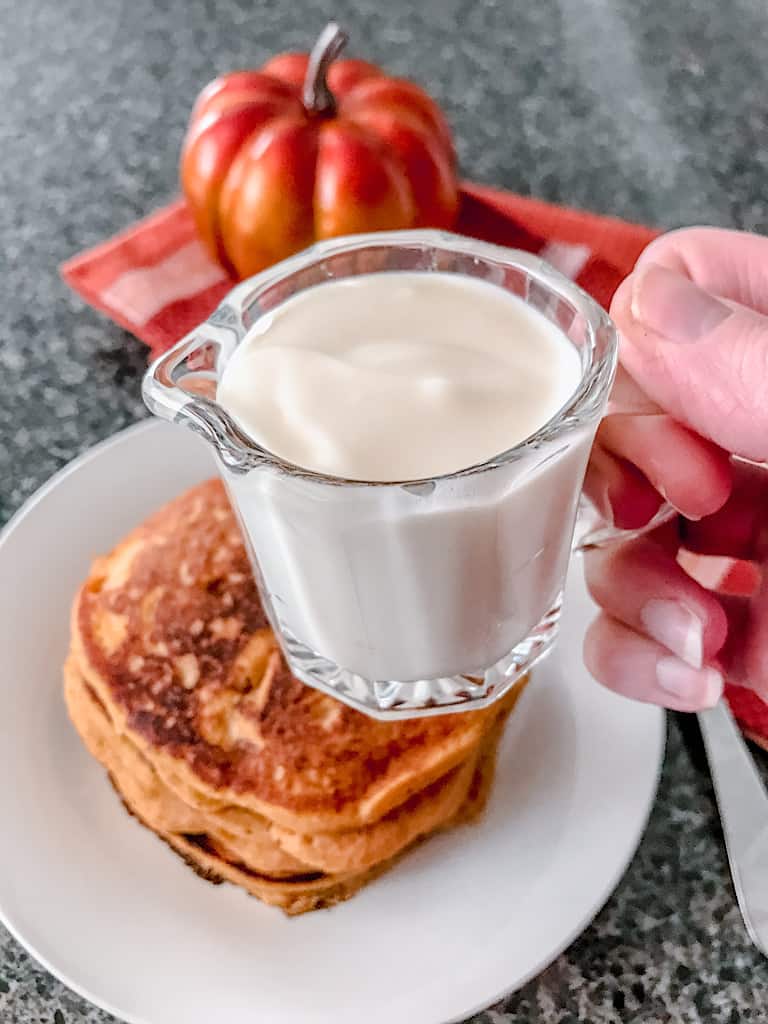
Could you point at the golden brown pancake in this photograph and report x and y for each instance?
(170, 635)
(148, 797)
(261, 866)
(177, 686)
(294, 896)
(259, 844)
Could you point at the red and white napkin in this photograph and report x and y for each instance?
(156, 280)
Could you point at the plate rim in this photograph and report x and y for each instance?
(71, 467)
(615, 881)
(659, 741)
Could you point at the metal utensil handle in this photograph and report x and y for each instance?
(743, 804)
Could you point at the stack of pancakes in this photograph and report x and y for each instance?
(177, 686)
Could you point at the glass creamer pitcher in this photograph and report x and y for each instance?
(418, 596)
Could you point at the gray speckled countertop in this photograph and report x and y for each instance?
(653, 111)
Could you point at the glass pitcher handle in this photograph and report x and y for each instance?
(592, 531)
(180, 386)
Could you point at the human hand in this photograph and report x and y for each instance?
(694, 323)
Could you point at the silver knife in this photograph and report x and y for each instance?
(743, 804)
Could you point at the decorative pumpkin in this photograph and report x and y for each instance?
(310, 147)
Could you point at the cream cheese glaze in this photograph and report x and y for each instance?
(398, 376)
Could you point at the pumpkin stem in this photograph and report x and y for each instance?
(317, 97)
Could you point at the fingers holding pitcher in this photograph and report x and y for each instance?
(689, 472)
(643, 456)
(660, 632)
(631, 664)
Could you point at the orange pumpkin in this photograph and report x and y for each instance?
(310, 147)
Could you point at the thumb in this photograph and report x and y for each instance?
(702, 358)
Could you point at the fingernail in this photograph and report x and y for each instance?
(702, 688)
(671, 305)
(676, 627)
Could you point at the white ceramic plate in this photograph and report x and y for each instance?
(117, 916)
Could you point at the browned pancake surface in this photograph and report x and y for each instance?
(169, 631)
(339, 864)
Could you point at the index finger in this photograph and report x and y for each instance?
(693, 474)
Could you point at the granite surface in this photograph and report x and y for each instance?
(652, 111)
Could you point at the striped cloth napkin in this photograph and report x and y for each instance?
(156, 280)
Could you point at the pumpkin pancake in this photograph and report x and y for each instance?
(177, 686)
(257, 843)
(169, 634)
(148, 797)
(258, 864)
